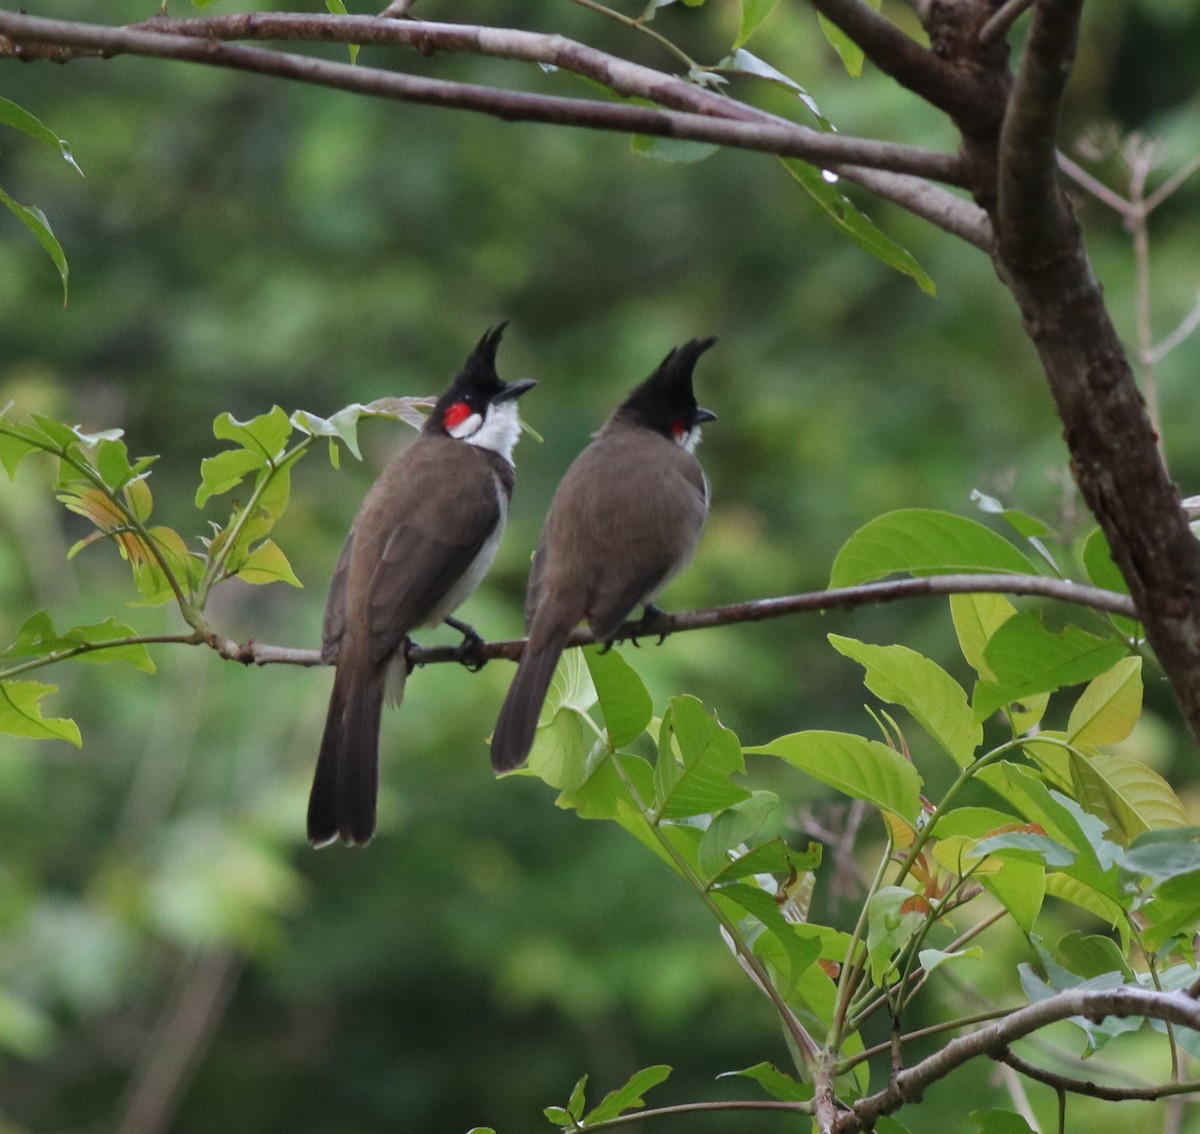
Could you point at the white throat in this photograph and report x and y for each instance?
(500, 431)
(690, 439)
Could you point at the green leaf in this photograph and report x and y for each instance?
(677, 151)
(1109, 707)
(267, 564)
(753, 14)
(862, 769)
(792, 949)
(21, 715)
(934, 958)
(1000, 1122)
(731, 828)
(1165, 854)
(1020, 887)
(20, 119)
(576, 1104)
(557, 1116)
(1090, 955)
(920, 541)
(629, 1096)
(37, 638)
(976, 618)
(855, 225)
(696, 781)
(889, 928)
(744, 61)
(16, 442)
(623, 697)
(777, 1084)
(1130, 797)
(337, 8)
(1027, 659)
(903, 677)
(265, 435)
(221, 473)
(35, 220)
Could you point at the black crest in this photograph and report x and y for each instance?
(666, 398)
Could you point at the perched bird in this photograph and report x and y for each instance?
(422, 541)
(624, 521)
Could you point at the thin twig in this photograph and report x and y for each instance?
(998, 25)
(1096, 1090)
(1186, 326)
(1093, 185)
(1172, 183)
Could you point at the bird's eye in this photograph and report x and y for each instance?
(456, 414)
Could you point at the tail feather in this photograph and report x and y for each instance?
(346, 783)
(519, 717)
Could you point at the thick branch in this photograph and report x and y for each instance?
(1033, 214)
(756, 610)
(909, 1084)
(772, 136)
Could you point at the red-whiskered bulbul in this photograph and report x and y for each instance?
(624, 521)
(422, 541)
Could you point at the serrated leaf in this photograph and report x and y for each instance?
(267, 564)
(35, 220)
(226, 470)
(627, 1097)
(698, 780)
(21, 715)
(265, 435)
(1109, 707)
(855, 225)
(920, 541)
(624, 699)
(862, 769)
(903, 677)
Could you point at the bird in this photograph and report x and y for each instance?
(422, 541)
(623, 522)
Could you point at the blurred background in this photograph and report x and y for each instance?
(172, 954)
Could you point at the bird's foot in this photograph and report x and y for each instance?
(407, 651)
(469, 651)
(651, 622)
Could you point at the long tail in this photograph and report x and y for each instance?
(519, 717)
(346, 783)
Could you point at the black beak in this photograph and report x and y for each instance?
(703, 415)
(514, 390)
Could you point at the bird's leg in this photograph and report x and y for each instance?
(467, 652)
(406, 651)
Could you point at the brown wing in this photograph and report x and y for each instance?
(434, 510)
(334, 624)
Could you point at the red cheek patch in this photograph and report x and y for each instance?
(679, 431)
(456, 415)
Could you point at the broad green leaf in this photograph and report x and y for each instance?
(855, 225)
(934, 958)
(753, 14)
(629, 1096)
(221, 473)
(265, 435)
(1109, 707)
(1172, 911)
(1103, 572)
(1020, 887)
(623, 698)
(1000, 1122)
(1085, 897)
(35, 220)
(889, 928)
(903, 677)
(1164, 854)
(20, 119)
(1125, 793)
(556, 1115)
(677, 151)
(560, 749)
(773, 857)
(37, 638)
(267, 564)
(16, 442)
(21, 715)
(790, 949)
(576, 1104)
(860, 768)
(976, 618)
(1090, 955)
(1026, 846)
(697, 779)
(920, 541)
(733, 827)
(59, 433)
(775, 1082)
(1028, 659)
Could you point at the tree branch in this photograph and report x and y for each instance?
(756, 610)
(771, 135)
(1095, 1090)
(909, 1084)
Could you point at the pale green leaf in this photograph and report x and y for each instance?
(267, 564)
(21, 715)
(35, 220)
(1109, 707)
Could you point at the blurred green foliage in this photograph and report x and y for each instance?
(239, 243)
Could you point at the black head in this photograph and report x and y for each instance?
(475, 389)
(665, 402)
